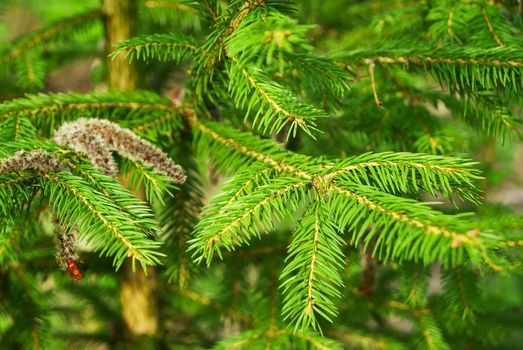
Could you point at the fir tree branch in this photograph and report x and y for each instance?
(286, 338)
(166, 121)
(409, 173)
(414, 285)
(8, 237)
(273, 106)
(169, 4)
(245, 9)
(16, 192)
(163, 47)
(240, 341)
(195, 297)
(213, 49)
(428, 229)
(432, 334)
(366, 341)
(507, 57)
(358, 201)
(99, 222)
(512, 244)
(49, 33)
(30, 70)
(14, 196)
(211, 7)
(414, 170)
(318, 74)
(135, 210)
(416, 311)
(17, 128)
(234, 224)
(181, 213)
(468, 69)
(249, 183)
(248, 148)
(156, 185)
(33, 311)
(314, 260)
(315, 340)
(449, 22)
(252, 55)
(460, 286)
(485, 112)
(178, 222)
(422, 223)
(258, 39)
(490, 27)
(263, 38)
(47, 110)
(419, 172)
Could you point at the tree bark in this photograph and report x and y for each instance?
(137, 296)
(138, 301)
(119, 20)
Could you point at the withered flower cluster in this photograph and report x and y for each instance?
(66, 256)
(36, 160)
(97, 138)
(66, 245)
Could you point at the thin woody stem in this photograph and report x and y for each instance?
(491, 28)
(373, 84)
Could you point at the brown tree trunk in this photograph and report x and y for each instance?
(137, 295)
(119, 18)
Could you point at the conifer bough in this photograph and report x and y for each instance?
(329, 159)
(96, 139)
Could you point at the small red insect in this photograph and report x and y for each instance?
(74, 270)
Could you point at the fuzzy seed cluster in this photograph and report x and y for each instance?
(98, 138)
(79, 136)
(66, 246)
(36, 160)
